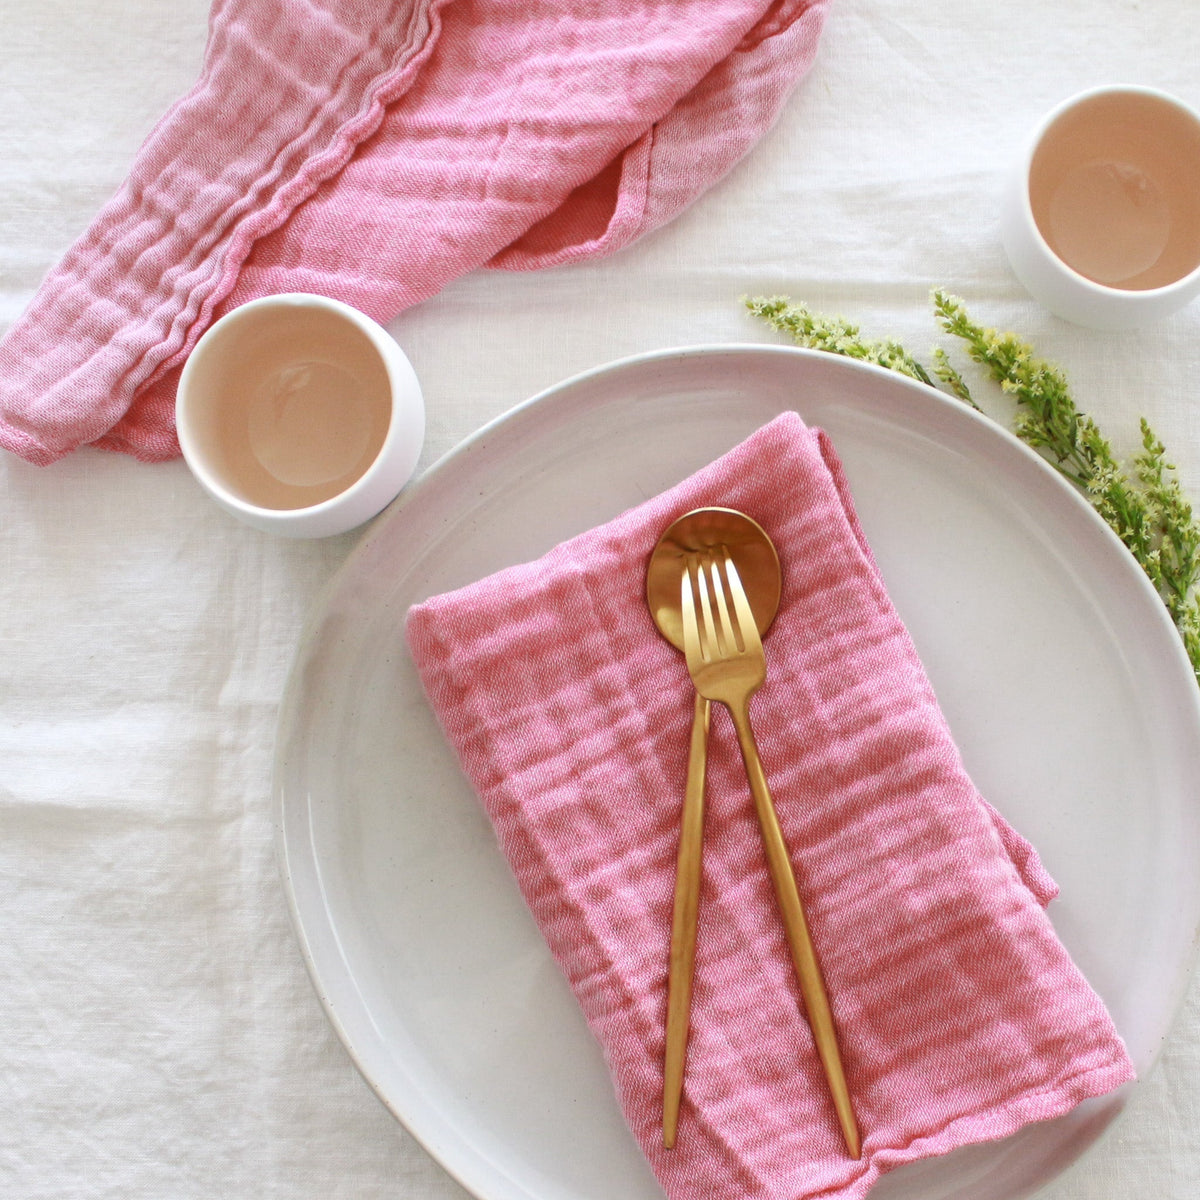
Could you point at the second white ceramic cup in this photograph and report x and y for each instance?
(300, 415)
(1101, 211)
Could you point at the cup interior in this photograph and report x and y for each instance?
(1114, 186)
(286, 405)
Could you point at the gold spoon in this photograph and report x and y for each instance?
(703, 529)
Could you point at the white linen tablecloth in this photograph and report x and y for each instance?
(159, 1037)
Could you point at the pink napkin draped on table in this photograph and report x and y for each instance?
(373, 151)
(961, 1016)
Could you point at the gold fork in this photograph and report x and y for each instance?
(725, 659)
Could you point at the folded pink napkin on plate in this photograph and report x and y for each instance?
(961, 1015)
(373, 152)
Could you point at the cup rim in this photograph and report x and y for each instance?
(1128, 296)
(383, 346)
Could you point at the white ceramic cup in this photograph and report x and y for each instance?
(300, 415)
(1101, 212)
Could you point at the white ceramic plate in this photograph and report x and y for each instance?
(1059, 672)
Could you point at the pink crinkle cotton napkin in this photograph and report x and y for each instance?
(961, 1015)
(372, 152)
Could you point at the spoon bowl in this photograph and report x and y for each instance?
(701, 531)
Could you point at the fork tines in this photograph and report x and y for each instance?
(724, 634)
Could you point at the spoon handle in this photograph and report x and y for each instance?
(804, 955)
(683, 925)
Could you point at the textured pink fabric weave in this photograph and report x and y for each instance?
(373, 151)
(961, 1015)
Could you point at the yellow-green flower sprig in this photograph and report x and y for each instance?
(1145, 505)
(835, 336)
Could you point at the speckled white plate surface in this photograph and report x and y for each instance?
(1059, 672)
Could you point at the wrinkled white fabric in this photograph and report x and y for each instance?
(160, 1036)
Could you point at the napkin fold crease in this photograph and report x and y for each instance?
(961, 1014)
(373, 152)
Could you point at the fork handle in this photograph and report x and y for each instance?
(804, 955)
